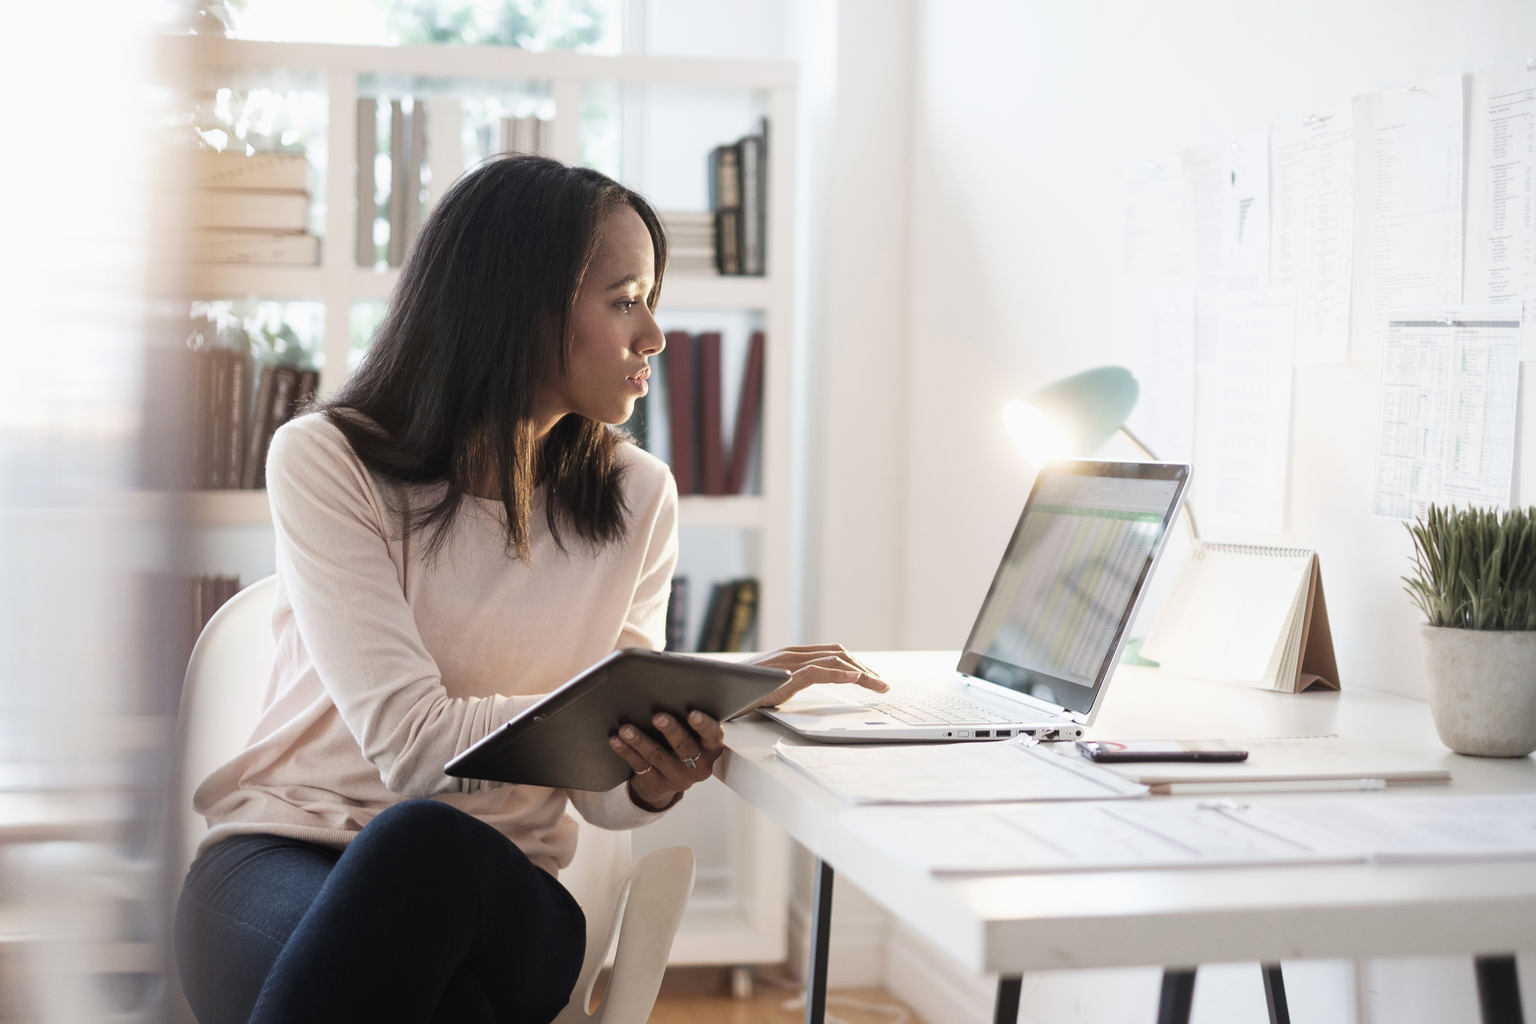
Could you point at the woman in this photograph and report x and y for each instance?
(458, 532)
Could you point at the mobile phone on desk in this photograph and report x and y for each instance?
(1113, 751)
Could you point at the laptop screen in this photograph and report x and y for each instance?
(1057, 615)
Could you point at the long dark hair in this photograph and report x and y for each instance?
(479, 320)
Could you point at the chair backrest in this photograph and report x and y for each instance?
(221, 697)
(221, 702)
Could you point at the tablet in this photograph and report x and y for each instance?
(562, 741)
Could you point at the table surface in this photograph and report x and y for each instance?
(1016, 923)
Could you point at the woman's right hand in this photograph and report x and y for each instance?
(817, 663)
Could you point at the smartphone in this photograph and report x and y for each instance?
(1160, 750)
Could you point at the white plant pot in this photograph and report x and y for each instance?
(1482, 689)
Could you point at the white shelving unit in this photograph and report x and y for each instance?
(742, 918)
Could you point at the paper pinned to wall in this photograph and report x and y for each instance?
(1313, 230)
(1408, 187)
(1449, 389)
(1155, 200)
(1204, 172)
(1251, 425)
(1501, 190)
(1245, 211)
(1164, 362)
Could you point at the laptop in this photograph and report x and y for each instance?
(1050, 631)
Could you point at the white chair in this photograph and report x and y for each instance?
(220, 703)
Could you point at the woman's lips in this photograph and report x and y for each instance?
(640, 382)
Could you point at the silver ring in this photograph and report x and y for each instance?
(691, 762)
(647, 768)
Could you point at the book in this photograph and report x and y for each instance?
(202, 415)
(525, 135)
(287, 172)
(280, 399)
(253, 464)
(743, 615)
(749, 408)
(751, 234)
(399, 150)
(678, 360)
(725, 202)
(416, 159)
(208, 595)
(236, 400)
(217, 424)
(677, 614)
(367, 204)
(712, 460)
(717, 618)
(221, 246)
(270, 212)
(1247, 614)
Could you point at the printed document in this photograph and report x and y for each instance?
(1401, 829)
(1408, 154)
(1154, 221)
(1313, 231)
(1164, 362)
(1245, 212)
(1205, 173)
(1501, 187)
(1252, 421)
(931, 773)
(1155, 833)
(1448, 402)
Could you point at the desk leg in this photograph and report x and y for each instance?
(1274, 995)
(1007, 1009)
(1498, 990)
(1177, 997)
(821, 939)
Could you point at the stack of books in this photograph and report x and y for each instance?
(252, 209)
(729, 623)
(701, 461)
(208, 595)
(738, 197)
(690, 243)
(234, 422)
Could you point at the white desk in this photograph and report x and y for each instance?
(1013, 924)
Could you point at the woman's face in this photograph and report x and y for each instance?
(613, 333)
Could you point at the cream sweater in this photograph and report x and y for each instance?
(390, 663)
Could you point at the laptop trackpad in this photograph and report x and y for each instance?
(827, 698)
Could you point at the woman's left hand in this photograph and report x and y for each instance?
(662, 775)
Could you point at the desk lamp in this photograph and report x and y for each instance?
(1075, 415)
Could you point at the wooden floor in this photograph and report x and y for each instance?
(696, 1000)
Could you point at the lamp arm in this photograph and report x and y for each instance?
(1139, 445)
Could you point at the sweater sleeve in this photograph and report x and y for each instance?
(644, 626)
(333, 556)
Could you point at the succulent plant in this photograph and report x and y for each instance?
(1475, 568)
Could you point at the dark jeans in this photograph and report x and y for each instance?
(430, 915)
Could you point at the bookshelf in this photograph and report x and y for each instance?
(738, 914)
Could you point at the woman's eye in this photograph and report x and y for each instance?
(625, 305)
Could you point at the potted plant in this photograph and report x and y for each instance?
(1475, 580)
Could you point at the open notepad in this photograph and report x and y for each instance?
(1247, 614)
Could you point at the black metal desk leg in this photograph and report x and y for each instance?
(1498, 990)
(821, 938)
(1177, 997)
(1274, 995)
(1007, 1009)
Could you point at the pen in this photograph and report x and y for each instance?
(1277, 786)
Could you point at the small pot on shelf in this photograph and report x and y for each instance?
(1482, 689)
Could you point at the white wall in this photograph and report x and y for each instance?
(1023, 116)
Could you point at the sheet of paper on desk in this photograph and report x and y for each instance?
(1416, 828)
(1022, 839)
(1283, 760)
(953, 773)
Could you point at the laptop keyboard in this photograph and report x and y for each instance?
(937, 709)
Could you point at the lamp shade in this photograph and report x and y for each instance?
(1072, 416)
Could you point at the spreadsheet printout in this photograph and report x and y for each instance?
(1449, 392)
(1408, 187)
(1501, 189)
(1250, 431)
(1312, 238)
